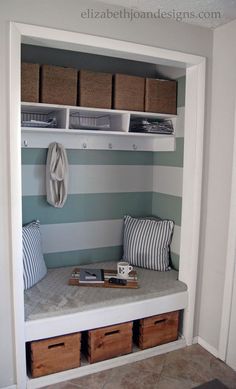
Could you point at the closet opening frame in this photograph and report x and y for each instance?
(193, 155)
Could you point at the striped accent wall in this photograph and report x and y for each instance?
(104, 186)
(168, 178)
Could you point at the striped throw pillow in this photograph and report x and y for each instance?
(33, 262)
(147, 242)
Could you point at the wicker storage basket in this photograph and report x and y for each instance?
(52, 355)
(160, 96)
(30, 82)
(95, 89)
(108, 342)
(129, 92)
(155, 330)
(58, 85)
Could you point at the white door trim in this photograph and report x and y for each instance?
(194, 126)
(230, 262)
(192, 182)
(15, 205)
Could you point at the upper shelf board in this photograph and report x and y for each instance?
(47, 108)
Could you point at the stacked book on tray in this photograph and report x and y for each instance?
(149, 126)
(91, 276)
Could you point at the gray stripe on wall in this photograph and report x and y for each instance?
(167, 207)
(180, 122)
(170, 158)
(175, 260)
(36, 156)
(80, 257)
(87, 207)
(181, 91)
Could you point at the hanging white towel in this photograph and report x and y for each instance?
(56, 175)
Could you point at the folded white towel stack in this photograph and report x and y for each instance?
(56, 175)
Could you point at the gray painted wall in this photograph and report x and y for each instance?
(66, 15)
(99, 63)
(102, 63)
(217, 187)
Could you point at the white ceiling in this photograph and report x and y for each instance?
(227, 9)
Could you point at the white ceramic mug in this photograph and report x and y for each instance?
(123, 269)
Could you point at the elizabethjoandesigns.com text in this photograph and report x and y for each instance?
(131, 14)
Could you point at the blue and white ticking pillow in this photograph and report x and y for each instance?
(33, 261)
(147, 242)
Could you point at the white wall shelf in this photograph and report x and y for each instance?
(115, 136)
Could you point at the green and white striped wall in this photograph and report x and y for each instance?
(104, 186)
(168, 178)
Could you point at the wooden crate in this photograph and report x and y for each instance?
(129, 92)
(108, 342)
(155, 330)
(30, 82)
(52, 355)
(95, 89)
(58, 85)
(160, 96)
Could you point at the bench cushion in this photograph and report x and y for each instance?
(54, 297)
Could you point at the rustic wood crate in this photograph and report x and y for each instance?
(108, 342)
(30, 82)
(160, 96)
(95, 89)
(58, 85)
(52, 355)
(128, 92)
(155, 330)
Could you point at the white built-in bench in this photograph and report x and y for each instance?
(53, 308)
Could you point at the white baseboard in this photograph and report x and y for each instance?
(206, 346)
(10, 387)
(195, 340)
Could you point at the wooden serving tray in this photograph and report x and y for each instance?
(131, 283)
